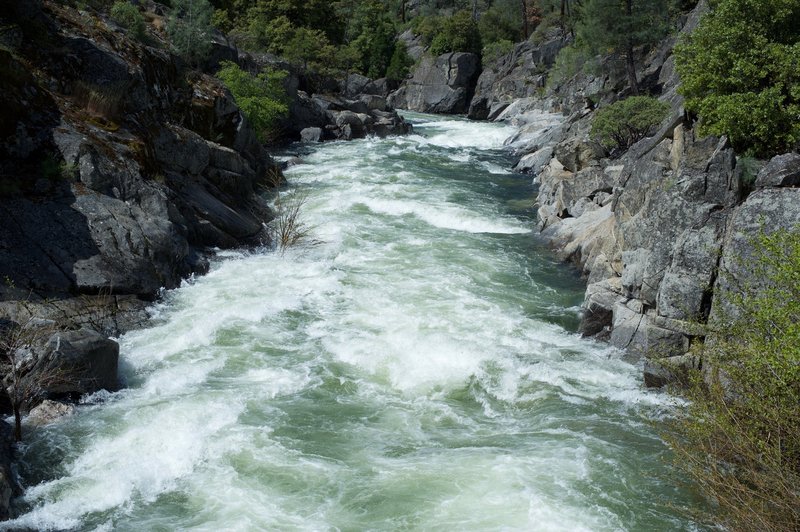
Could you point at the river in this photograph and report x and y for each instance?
(416, 368)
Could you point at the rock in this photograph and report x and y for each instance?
(688, 282)
(343, 118)
(49, 411)
(373, 102)
(781, 171)
(628, 330)
(673, 370)
(415, 47)
(311, 134)
(533, 163)
(518, 74)
(440, 85)
(598, 306)
(77, 362)
(355, 85)
(181, 150)
(664, 343)
(766, 210)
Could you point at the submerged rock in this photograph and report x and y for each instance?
(48, 412)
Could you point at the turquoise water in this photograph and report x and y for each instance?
(415, 368)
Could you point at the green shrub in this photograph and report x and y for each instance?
(427, 27)
(739, 73)
(262, 98)
(499, 23)
(458, 33)
(128, 16)
(570, 61)
(623, 123)
(189, 29)
(496, 50)
(739, 441)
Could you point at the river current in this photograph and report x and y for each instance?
(416, 369)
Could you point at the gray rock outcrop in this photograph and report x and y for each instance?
(653, 230)
(522, 73)
(443, 84)
(327, 117)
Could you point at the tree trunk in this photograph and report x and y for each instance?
(525, 33)
(17, 423)
(629, 60)
(631, 68)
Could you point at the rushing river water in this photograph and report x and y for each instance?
(418, 369)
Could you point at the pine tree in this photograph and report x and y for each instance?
(620, 26)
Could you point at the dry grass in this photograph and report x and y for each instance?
(288, 229)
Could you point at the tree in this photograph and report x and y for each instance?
(740, 73)
(128, 16)
(458, 33)
(620, 26)
(190, 28)
(372, 36)
(621, 124)
(262, 98)
(400, 63)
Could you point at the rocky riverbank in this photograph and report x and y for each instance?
(122, 170)
(658, 231)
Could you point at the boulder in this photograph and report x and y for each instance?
(76, 362)
(440, 85)
(181, 150)
(533, 163)
(311, 134)
(48, 412)
(598, 306)
(518, 74)
(781, 171)
(672, 370)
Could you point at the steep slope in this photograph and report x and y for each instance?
(653, 229)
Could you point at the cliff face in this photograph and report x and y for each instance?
(120, 165)
(653, 229)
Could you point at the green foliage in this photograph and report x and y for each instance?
(501, 22)
(222, 20)
(496, 50)
(458, 33)
(607, 26)
(740, 439)
(739, 72)
(128, 16)
(400, 63)
(570, 61)
(749, 167)
(308, 48)
(262, 98)
(427, 27)
(372, 37)
(189, 29)
(621, 124)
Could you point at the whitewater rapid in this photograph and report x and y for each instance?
(417, 368)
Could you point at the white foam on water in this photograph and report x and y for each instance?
(446, 217)
(386, 378)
